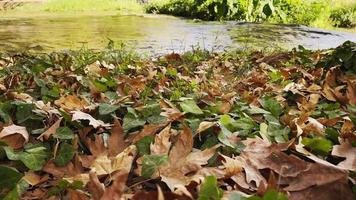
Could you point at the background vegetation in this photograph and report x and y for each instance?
(131, 6)
(321, 13)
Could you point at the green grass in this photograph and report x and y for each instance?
(125, 6)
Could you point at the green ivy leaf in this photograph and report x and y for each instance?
(319, 146)
(17, 191)
(189, 106)
(209, 189)
(245, 124)
(8, 178)
(272, 105)
(105, 109)
(132, 120)
(151, 163)
(143, 145)
(65, 154)
(151, 110)
(227, 122)
(33, 157)
(64, 133)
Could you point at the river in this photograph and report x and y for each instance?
(154, 34)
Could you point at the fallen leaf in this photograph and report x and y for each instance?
(122, 162)
(71, 102)
(116, 141)
(15, 136)
(51, 130)
(345, 150)
(162, 142)
(204, 126)
(78, 115)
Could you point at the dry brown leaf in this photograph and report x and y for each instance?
(148, 130)
(95, 187)
(204, 126)
(116, 190)
(232, 166)
(162, 143)
(32, 178)
(345, 150)
(175, 171)
(77, 195)
(183, 146)
(21, 96)
(296, 176)
(51, 130)
(103, 165)
(79, 115)
(351, 91)
(14, 136)
(116, 141)
(71, 102)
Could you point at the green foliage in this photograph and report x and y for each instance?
(344, 55)
(84, 5)
(272, 106)
(64, 133)
(344, 16)
(65, 154)
(8, 178)
(105, 109)
(151, 163)
(63, 185)
(209, 189)
(33, 156)
(308, 12)
(16, 192)
(319, 146)
(143, 145)
(189, 106)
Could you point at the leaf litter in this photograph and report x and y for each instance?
(193, 126)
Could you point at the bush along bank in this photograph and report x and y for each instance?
(314, 12)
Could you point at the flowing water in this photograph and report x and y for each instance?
(155, 34)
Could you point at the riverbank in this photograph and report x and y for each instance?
(102, 124)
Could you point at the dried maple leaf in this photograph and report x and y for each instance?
(116, 190)
(183, 161)
(162, 143)
(345, 150)
(122, 162)
(71, 102)
(148, 130)
(296, 176)
(116, 141)
(15, 136)
(51, 130)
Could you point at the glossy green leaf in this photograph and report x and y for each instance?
(65, 154)
(209, 189)
(64, 133)
(189, 106)
(9, 177)
(143, 145)
(151, 163)
(319, 146)
(105, 109)
(272, 105)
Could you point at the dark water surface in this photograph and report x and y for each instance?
(155, 34)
